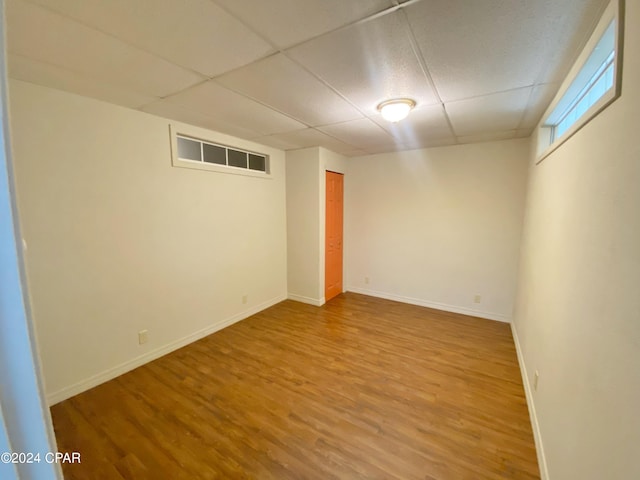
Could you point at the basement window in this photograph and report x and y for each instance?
(189, 151)
(593, 83)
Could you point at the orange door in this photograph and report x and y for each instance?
(333, 236)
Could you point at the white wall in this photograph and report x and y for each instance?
(303, 226)
(306, 192)
(578, 310)
(436, 227)
(120, 241)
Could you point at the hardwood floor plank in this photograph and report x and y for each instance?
(359, 388)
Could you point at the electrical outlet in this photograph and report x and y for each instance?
(245, 298)
(366, 280)
(143, 336)
(477, 299)
(536, 376)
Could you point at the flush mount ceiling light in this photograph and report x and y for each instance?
(397, 109)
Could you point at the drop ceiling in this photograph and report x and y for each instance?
(299, 73)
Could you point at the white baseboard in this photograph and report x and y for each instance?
(542, 461)
(136, 362)
(438, 306)
(318, 302)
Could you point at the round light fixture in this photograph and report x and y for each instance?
(397, 109)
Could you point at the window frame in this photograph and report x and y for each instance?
(546, 144)
(176, 161)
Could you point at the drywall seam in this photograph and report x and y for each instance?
(301, 298)
(438, 306)
(118, 370)
(542, 461)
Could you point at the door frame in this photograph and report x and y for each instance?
(25, 421)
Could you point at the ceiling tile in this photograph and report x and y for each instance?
(396, 147)
(496, 63)
(488, 137)
(354, 153)
(288, 22)
(282, 84)
(524, 132)
(275, 142)
(362, 133)
(368, 63)
(172, 111)
(436, 142)
(497, 112)
(348, 150)
(575, 20)
(476, 48)
(47, 37)
(311, 137)
(195, 34)
(22, 68)
(212, 99)
(424, 124)
(540, 99)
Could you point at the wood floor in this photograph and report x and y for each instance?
(360, 388)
